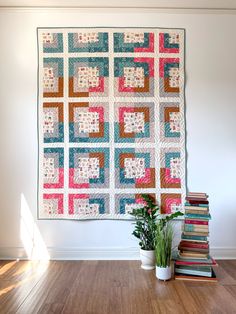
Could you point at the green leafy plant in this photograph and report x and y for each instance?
(147, 219)
(145, 225)
(163, 247)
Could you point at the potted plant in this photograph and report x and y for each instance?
(145, 230)
(147, 218)
(163, 249)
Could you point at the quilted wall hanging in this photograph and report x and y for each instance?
(111, 121)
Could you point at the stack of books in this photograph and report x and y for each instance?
(192, 261)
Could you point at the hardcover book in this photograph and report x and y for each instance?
(213, 278)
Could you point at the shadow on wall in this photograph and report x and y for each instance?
(31, 238)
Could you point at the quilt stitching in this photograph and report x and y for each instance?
(111, 121)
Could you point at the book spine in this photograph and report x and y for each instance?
(194, 245)
(194, 238)
(199, 241)
(194, 250)
(195, 278)
(196, 233)
(193, 273)
(196, 222)
(199, 194)
(189, 227)
(196, 199)
(191, 263)
(198, 202)
(196, 205)
(197, 212)
(195, 216)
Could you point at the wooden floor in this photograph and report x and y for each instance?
(109, 287)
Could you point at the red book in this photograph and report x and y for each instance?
(194, 245)
(212, 279)
(197, 199)
(212, 263)
(198, 202)
(196, 222)
(194, 249)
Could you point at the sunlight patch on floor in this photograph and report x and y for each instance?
(7, 267)
(32, 278)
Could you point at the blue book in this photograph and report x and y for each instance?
(198, 216)
(194, 238)
(192, 228)
(194, 270)
(196, 205)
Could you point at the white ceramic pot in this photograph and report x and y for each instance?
(163, 273)
(147, 259)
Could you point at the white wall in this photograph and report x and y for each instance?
(211, 128)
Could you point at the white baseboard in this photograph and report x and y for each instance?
(99, 253)
(77, 253)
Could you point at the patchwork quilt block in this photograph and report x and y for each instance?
(134, 122)
(88, 41)
(88, 77)
(169, 77)
(52, 42)
(53, 80)
(133, 42)
(170, 122)
(88, 204)
(53, 166)
(111, 121)
(134, 77)
(88, 167)
(134, 167)
(169, 42)
(171, 202)
(170, 167)
(53, 122)
(89, 122)
(52, 205)
(125, 203)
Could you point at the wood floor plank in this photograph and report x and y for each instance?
(186, 298)
(224, 276)
(229, 267)
(167, 297)
(16, 282)
(213, 298)
(81, 288)
(105, 287)
(50, 294)
(8, 269)
(231, 290)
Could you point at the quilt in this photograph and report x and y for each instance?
(111, 121)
